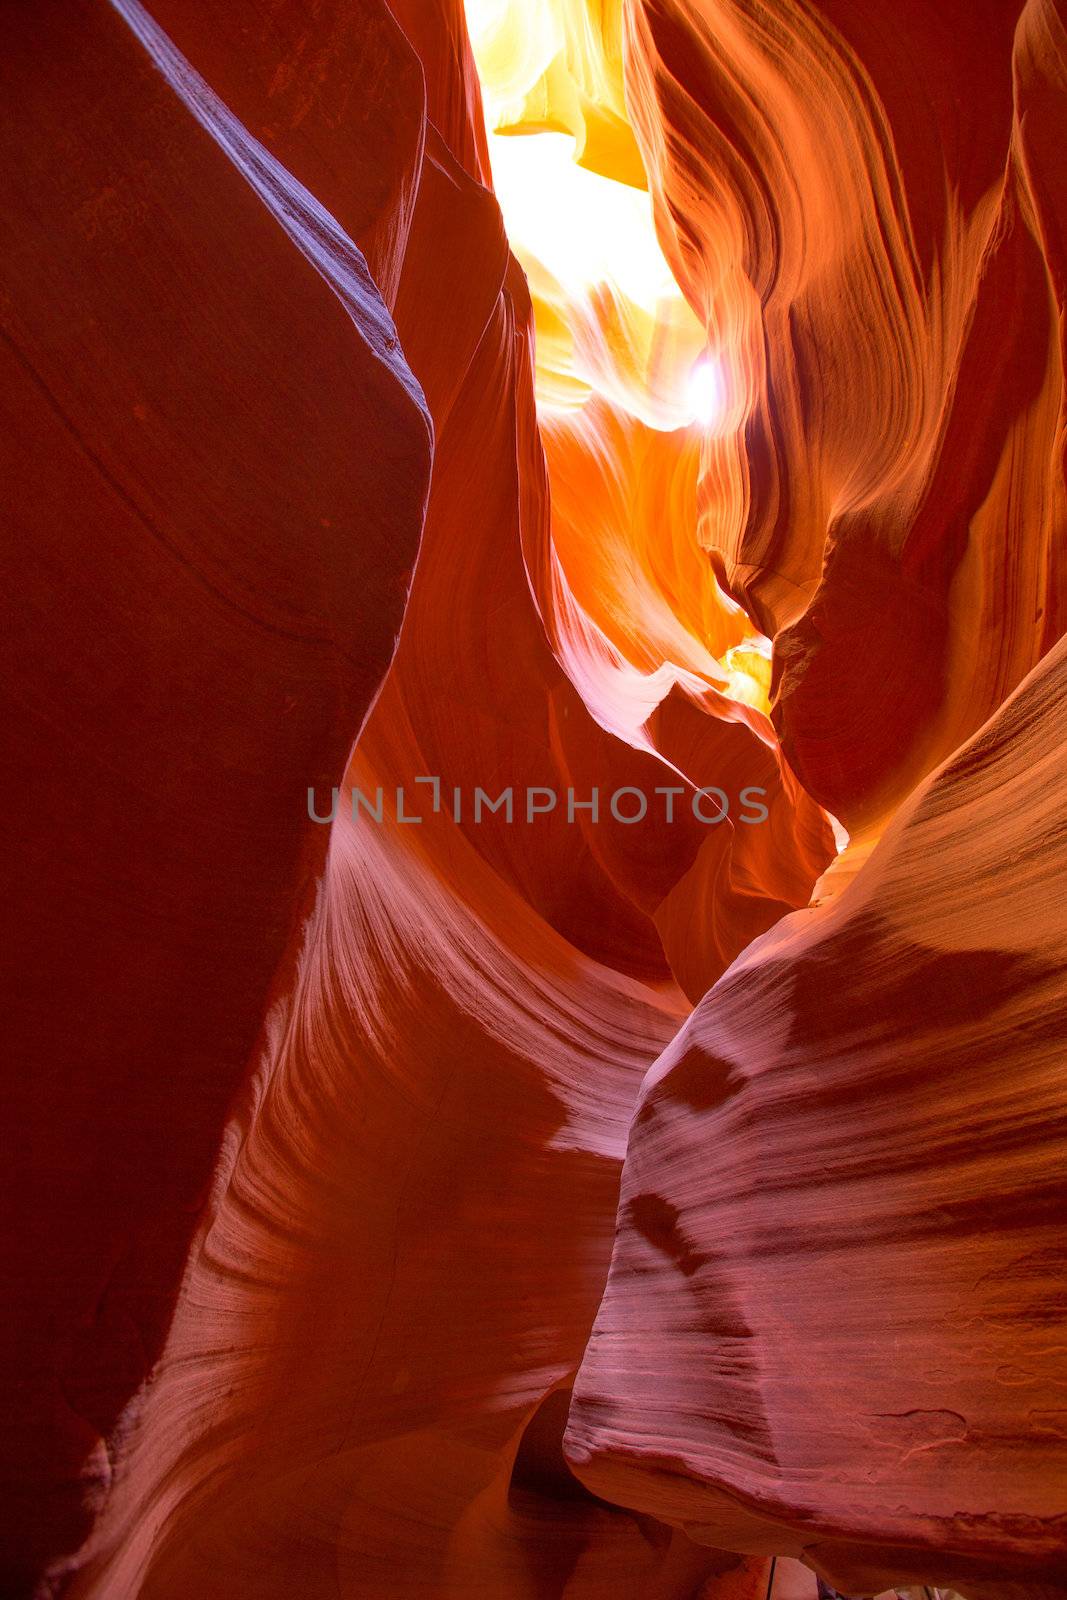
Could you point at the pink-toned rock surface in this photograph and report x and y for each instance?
(368, 1322)
(833, 1326)
(319, 1132)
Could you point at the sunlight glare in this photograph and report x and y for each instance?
(705, 392)
(586, 229)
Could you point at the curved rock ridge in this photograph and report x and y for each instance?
(336, 1406)
(210, 571)
(669, 667)
(867, 213)
(833, 1325)
(676, 411)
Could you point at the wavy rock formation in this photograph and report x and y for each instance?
(676, 411)
(867, 213)
(446, 978)
(833, 1325)
(427, 1088)
(210, 571)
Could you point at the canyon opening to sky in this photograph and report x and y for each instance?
(536, 945)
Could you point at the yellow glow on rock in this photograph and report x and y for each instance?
(610, 318)
(626, 384)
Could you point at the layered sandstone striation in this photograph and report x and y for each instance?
(866, 211)
(833, 1323)
(208, 570)
(338, 461)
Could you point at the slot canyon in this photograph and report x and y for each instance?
(536, 933)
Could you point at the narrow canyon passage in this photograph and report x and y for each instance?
(538, 541)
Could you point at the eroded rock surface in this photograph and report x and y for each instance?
(319, 1131)
(833, 1324)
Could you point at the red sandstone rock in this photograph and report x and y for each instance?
(425, 1092)
(868, 213)
(420, 1056)
(208, 567)
(832, 1326)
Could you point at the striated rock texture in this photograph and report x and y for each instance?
(834, 1321)
(207, 566)
(362, 1316)
(866, 209)
(316, 486)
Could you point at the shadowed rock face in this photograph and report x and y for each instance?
(318, 1133)
(208, 569)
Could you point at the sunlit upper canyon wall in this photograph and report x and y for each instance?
(552, 396)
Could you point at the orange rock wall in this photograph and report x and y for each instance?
(320, 1132)
(866, 209)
